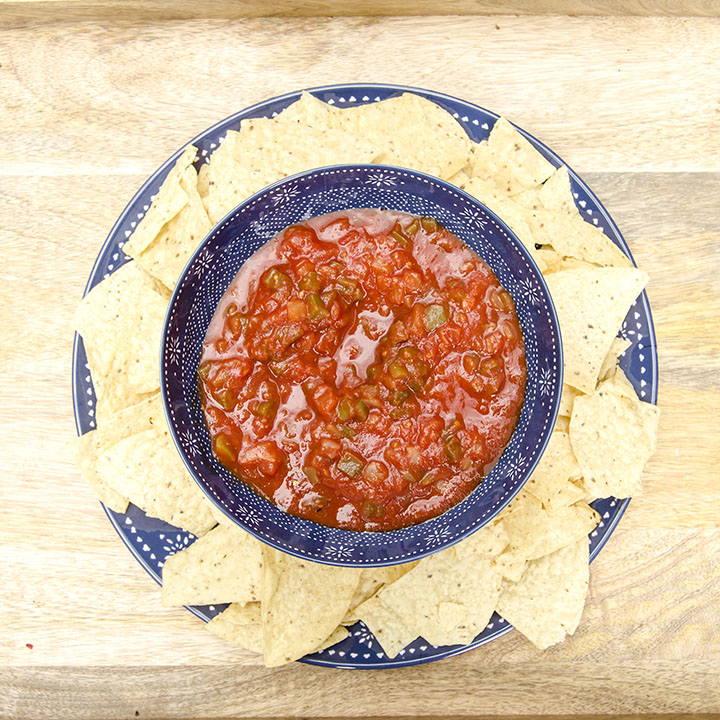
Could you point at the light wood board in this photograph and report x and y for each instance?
(89, 109)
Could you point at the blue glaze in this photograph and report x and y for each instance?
(213, 267)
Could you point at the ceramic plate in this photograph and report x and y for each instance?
(152, 541)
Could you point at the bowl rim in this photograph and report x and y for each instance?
(430, 550)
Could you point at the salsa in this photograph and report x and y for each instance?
(364, 370)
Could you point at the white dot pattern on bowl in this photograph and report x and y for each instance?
(254, 224)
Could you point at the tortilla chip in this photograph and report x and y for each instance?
(617, 348)
(409, 131)
(390, 629)
(166, 255)
(546, 604)
(241, 625)
(571, 236)
(226, 181)
(169, 201)
(510, 160)
(591, 305)
(146, 468)
(556, 194)
(372, 580)
(310, 111)
(459, 179)
(613, 436)
(444, 599)
(264, 151)
(619, 380)
(224, 566)
(569, 393)
(535, 532)
(529, 198)
(509, 565)
(303, 602)
(491, 540)
(562, 424)
(121, 322)
(116, 426)
(203, 181)
(551, 481)
(85, 455)
(512, 214)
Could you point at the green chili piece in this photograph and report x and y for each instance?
(361, 410)
(413, 227)
(398, 397)
(310, 282)
(453, 449)
(435, 316)
(350, 288)
(350, 464)
(348, 432)
(316, 307)
(397, 370)
(344, 409)
(429, 224)
(274, 279)
(401, 239)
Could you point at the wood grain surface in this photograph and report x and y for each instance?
(89, 109)
(23, 10)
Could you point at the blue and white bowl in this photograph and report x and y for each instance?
(317, 192)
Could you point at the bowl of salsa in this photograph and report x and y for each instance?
(361, 365)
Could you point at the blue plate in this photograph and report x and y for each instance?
(151, 541)
(211, 270)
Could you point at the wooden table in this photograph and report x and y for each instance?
(94, 96)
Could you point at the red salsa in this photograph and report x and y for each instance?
(364, 370)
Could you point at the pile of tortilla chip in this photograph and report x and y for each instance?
(531, 563)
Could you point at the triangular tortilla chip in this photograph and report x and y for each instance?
(409, 131)
(85, 455)
(124, 305)
(546, 604)
(169, 201)
(444, 599)
(242, 626)
(591, 305)
(510, 160)
(372, 580)
(223, 566)
(390, 629)
(146, 468)
(571, 236)
(303, 602)
(166, 255)
(113, 428)
(613, 436)
(556, 194)
(491, 540)
(535, 532)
